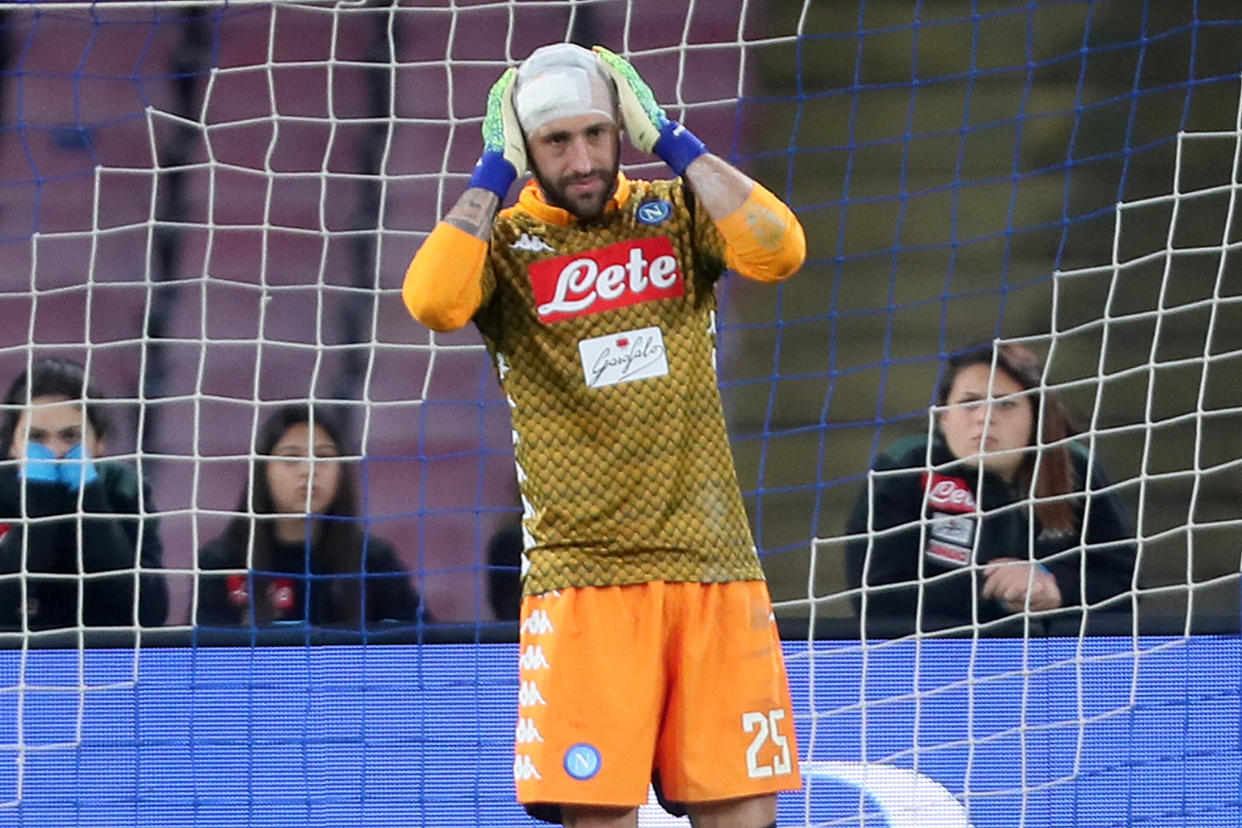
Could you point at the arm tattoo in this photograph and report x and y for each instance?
(474, 212)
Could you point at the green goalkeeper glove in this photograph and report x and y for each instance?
(504, 150)
(649, 128)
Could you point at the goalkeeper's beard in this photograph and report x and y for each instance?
(589, 206)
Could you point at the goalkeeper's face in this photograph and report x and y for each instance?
(575, 160)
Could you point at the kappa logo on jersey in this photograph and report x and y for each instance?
(582, 761)
(532, 244)
(621, 274)
(949, 494)
(537, 623)
(653, 212)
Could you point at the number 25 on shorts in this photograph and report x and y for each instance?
(766, 727)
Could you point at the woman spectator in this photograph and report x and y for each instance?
(67, 516)
(988, 521)
(303, 553)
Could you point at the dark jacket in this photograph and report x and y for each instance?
(294, 592)
(49, 535)
(941, 548)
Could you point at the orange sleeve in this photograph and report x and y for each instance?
(443, 285)
(764, 240)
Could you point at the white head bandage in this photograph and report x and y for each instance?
(560, 81)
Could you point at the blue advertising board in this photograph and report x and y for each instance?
(989, 733)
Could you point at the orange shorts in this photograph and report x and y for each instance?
(684, 679)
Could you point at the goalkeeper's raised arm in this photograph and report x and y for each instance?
(444, 285)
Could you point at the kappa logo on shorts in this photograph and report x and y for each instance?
(621, 274)
(527, 732)
(582, 761)
(537, 623)
(653, 212)
(529, 695)
(533, 658)
(524, 768)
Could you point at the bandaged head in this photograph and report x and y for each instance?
(560, 81)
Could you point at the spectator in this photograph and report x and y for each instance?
(975, 546)
(297, 532)
(67, 516)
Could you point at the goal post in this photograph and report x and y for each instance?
(211, 206)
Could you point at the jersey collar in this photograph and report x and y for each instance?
(531, 201)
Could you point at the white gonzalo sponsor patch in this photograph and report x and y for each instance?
(623, 357)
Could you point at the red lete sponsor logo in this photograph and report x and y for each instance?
(625, 273)
(949, 494)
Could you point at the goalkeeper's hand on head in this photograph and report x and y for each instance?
(504, 149)
(649, 128)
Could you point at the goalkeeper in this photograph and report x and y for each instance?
(649, 651)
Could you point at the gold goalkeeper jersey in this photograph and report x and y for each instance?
(603, 338)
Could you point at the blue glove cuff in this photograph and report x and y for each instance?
(494, 173)
(678, 146)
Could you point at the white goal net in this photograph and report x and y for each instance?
(211, 206)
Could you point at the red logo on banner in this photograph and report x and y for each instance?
(626, 273)
(949, 494)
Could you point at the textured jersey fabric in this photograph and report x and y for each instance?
(603, 339)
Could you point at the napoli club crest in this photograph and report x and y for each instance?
(582, 761)
(654, 212)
